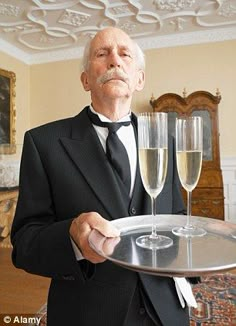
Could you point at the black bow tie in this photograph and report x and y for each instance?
(113, 126)
(115, 150)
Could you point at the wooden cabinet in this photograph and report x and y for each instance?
(208, 196)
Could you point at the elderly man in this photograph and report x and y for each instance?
(70, 186)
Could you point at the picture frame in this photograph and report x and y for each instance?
(7, 111)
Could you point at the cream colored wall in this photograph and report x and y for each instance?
(54, 89)
(197, 67)
(22, 100)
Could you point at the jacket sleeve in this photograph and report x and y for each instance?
(41, 243)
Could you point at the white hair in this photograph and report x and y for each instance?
(139, 55)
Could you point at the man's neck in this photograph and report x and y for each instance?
(114, 110)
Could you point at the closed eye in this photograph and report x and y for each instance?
(101, 54)
(126, 54)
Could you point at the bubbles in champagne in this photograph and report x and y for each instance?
(189, 168)
(153, 168)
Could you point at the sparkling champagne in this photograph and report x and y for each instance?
(153, 167)
(189, 168)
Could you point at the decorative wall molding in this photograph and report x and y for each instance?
(216, 35)
(228, 166)
(14, 52)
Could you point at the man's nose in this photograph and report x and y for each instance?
(114, 60)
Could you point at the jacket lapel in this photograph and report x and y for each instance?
(86, 151)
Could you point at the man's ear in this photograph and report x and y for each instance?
(85, 81)
(140, 80)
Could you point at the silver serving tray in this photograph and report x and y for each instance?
(213, 252)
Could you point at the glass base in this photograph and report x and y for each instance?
(233, 234)
(188, 231)
(152, 243)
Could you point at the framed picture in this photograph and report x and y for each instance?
(7, 111)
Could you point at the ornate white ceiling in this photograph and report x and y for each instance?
(46, 30)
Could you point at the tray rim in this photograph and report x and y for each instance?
(161, 271)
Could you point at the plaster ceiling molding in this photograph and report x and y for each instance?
(9, 10)
(182, 39)
(37, 31)
(225, 15)
(173, 4)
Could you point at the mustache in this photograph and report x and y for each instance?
(113, 73)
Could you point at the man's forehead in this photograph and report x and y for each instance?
(108, 39)
(110, 47)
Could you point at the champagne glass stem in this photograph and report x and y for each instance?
(154, 226)
(189, 252)
(189, 213)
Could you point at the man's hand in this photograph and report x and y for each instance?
(81, 228)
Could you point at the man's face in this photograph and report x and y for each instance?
(112, 70)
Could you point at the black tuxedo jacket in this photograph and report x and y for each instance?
(65, 172)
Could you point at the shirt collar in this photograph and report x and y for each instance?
(105, 119)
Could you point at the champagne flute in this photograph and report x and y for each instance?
(153, 160)
(189, 147)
